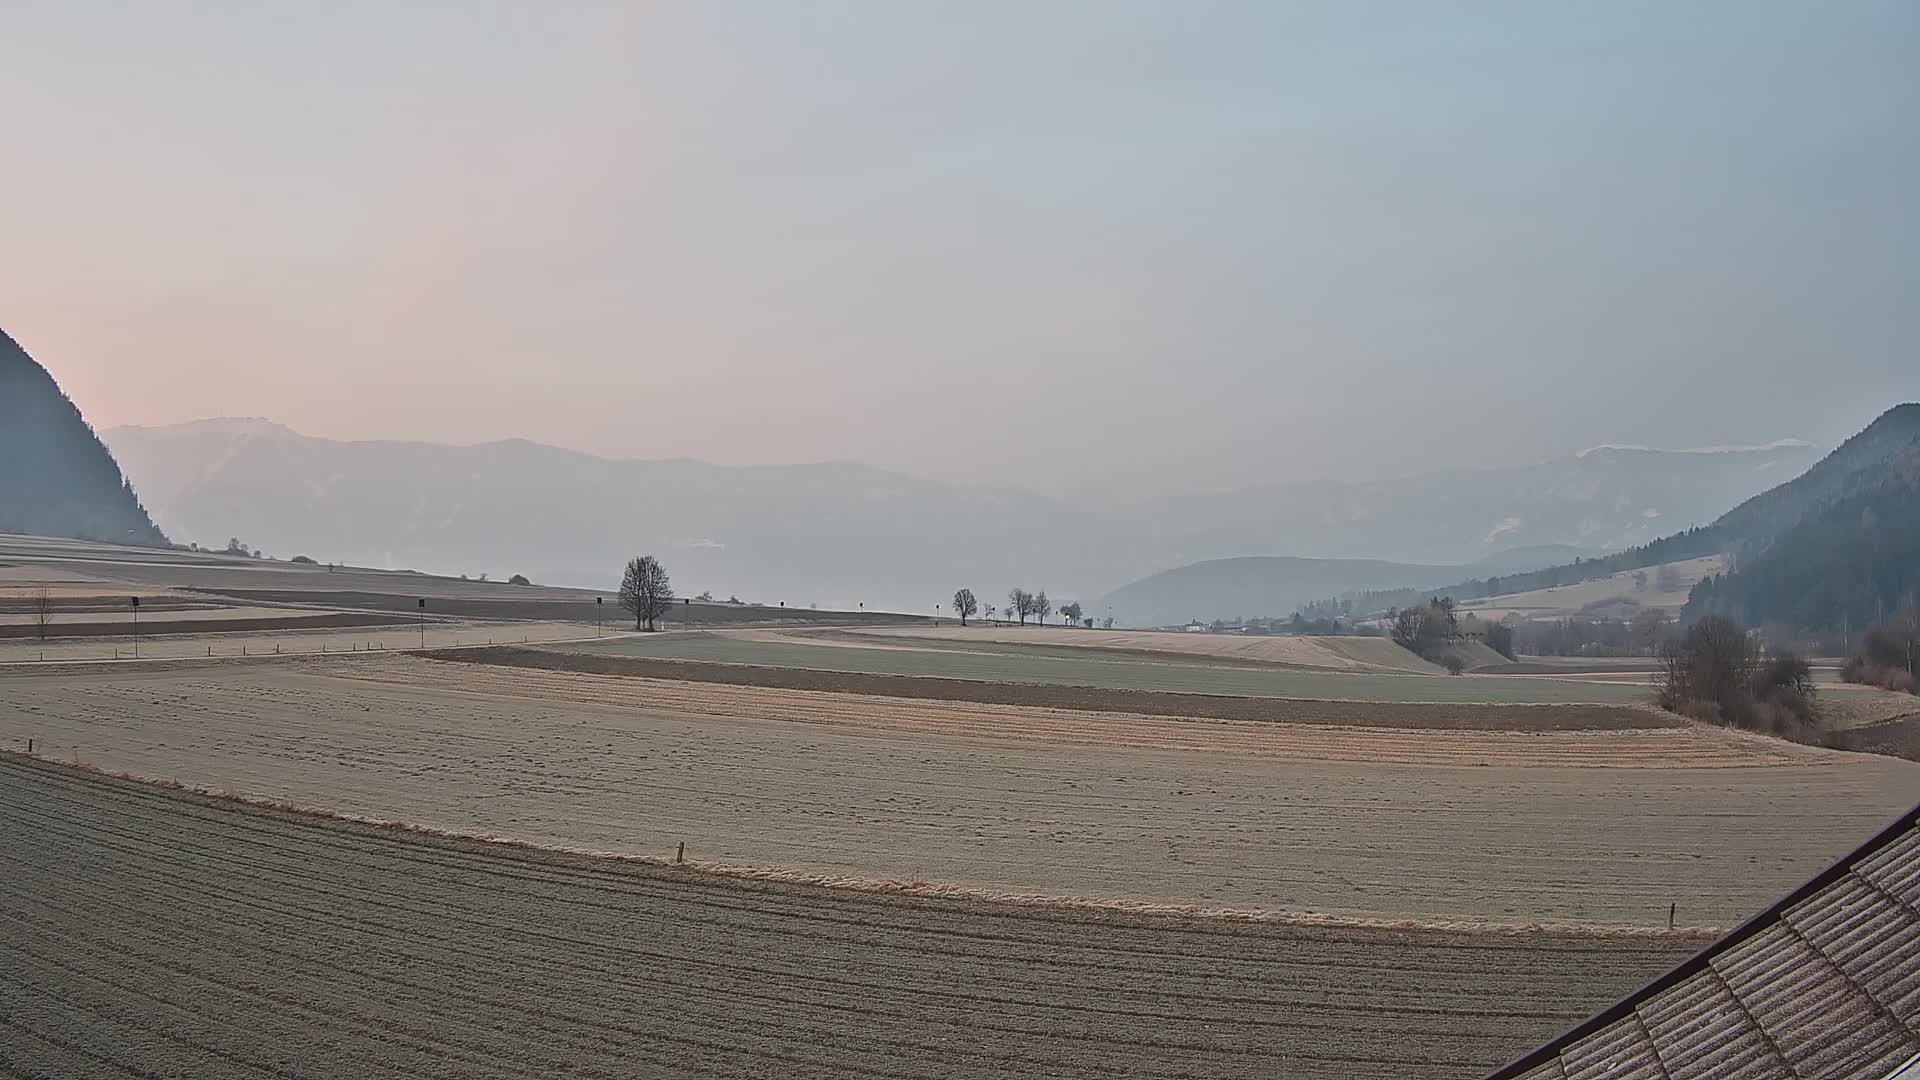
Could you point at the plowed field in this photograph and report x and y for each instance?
(1583, 826)
(158, 934)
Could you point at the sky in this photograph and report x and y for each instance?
(1102, 246)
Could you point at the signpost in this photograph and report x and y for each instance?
(135, 601)
(423, 622)
(599, 604)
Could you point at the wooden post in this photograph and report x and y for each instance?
(29, 746)
(681, 855)
(1672, 909)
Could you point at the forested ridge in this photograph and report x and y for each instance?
(56, 478)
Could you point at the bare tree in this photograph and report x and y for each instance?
(1042, 607)
(1019, 603)
(1071, 612)
(42, 607)
(646, 591)
(1711, 666)
(1409, 626)
(964, 605)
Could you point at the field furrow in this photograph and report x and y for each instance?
(1583, 824)
(165, 934)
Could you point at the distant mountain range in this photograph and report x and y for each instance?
(841, 534)
(1270, 585)
(56, 479)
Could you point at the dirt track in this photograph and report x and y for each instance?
(154, 933)
(1488, 826)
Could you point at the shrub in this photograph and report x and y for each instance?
(1714, 672)
(1889, 655)
(303, 559)
(1426, 630)
(1453, 664)
(518, 579)
(1500, 639)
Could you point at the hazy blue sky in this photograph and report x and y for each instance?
(1164, 245)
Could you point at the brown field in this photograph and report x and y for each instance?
(1575, 826)
(154, 933)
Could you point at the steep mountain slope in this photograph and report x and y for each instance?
(1751, 526)
(1841, 566)
(56, 479)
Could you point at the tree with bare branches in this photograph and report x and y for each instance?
(646, 591)
(1042, 607)
(964, 605)
(1020, 604)
(41, 605)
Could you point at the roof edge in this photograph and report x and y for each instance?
(1698, 962)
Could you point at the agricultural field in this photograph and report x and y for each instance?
(1619, 589)
(90, 585)
(1589, 816)
(159, 933)
(1072, 666)
(909, 850)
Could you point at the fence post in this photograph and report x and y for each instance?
(681, 855)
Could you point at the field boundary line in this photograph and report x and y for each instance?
(916, 889)
(1360, 712)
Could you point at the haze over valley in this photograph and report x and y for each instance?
(1097, 540)
(843, 534)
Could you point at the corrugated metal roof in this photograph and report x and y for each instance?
(1824, 985)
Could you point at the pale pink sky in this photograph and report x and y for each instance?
(1107, 245)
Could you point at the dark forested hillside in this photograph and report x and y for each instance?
(1849, 564)
(56, 479)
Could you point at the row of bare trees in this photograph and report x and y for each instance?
(1021, 605)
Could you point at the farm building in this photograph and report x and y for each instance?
(1825, 984)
